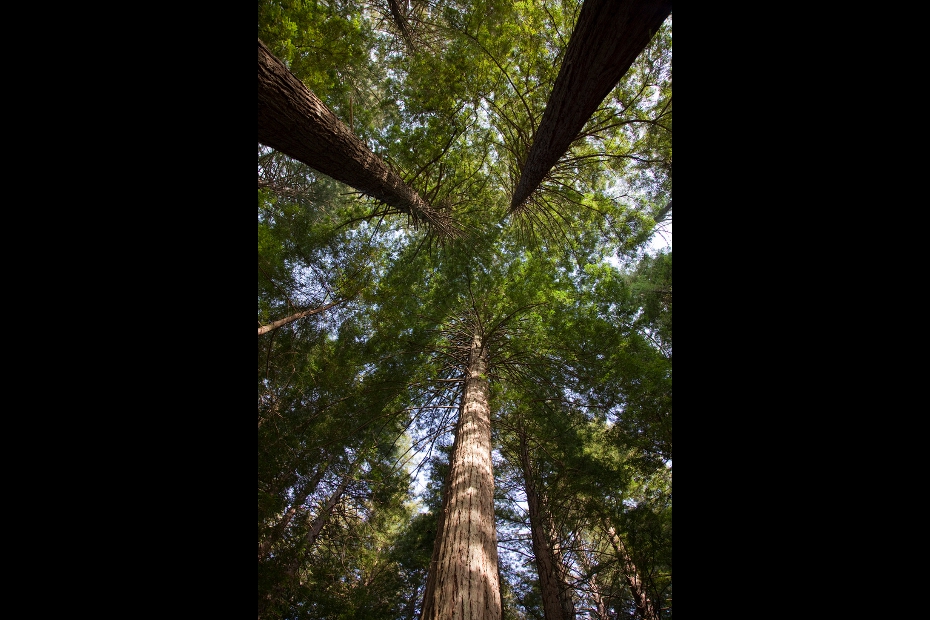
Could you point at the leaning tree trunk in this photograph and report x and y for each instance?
(294, 121)
(310, 538)
(594, 590)
(663, 212)
(607, 38)
(264, 329)
(556, 596)
(463, 580)
(643, 603)
(323, 517)
(277, 531)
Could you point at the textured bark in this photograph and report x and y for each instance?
(463, 580)
(556, 596)
(607, 38)
(294, 121)
(264, 329)
(643, 603)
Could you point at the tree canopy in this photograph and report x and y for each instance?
(385, 312)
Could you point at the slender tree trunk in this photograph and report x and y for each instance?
(316, 526)
(608, 37)
(297, 505)
(600, 608)
(556, 596)
(401, 22)
(643, 603)
(264, 329)
(663, 212)
(463, 579)
(323, 516)
(410, 609)
(294, 121)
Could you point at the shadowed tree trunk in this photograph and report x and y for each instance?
(297, 505)
(643, 603)
(608, 37)
(294, 121)
(313, 532)
(463, 576)
(401, 22)
(663, 212)
(326, 509)
(594, 590)
(556, 596)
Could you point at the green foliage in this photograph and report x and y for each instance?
(365, 392)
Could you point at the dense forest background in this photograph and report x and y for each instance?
(375, 320)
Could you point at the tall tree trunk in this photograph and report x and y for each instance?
(643, 603)
(556, 596)
(463, 577)
(264, 329)
(294, 121)
(608, 37)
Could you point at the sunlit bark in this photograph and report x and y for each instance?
(264, 329)
(463, 580)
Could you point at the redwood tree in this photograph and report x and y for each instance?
(463, 577)
(294, 121)
(608, 37)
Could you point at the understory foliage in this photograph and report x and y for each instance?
(358, 401)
